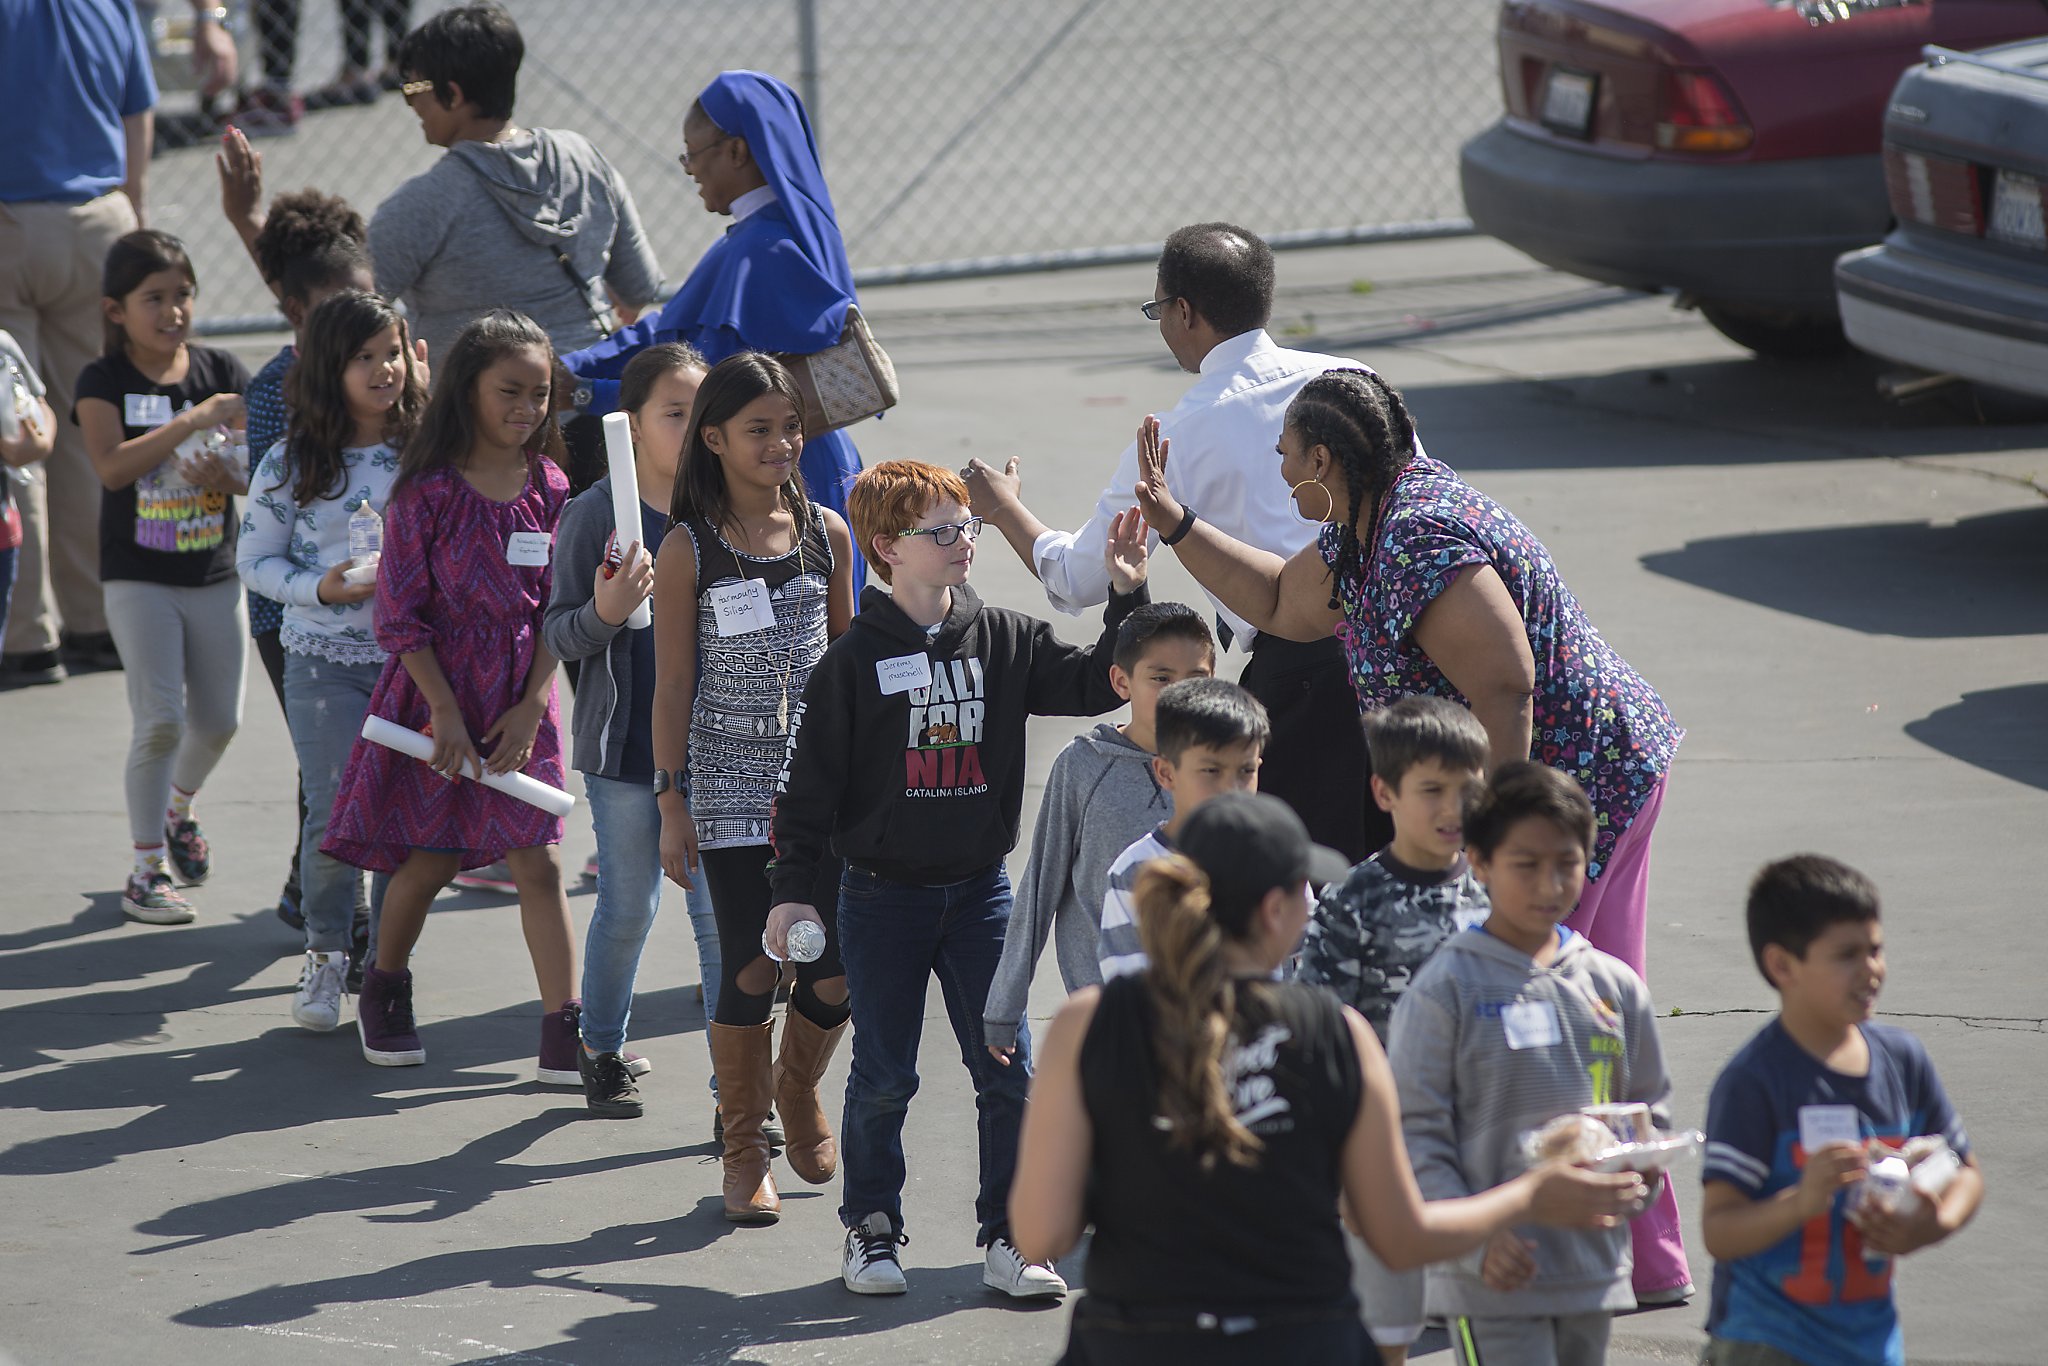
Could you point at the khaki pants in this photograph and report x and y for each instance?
(50, 261)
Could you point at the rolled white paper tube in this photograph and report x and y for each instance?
(532, 791)
(618, 449)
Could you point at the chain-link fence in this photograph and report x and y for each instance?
(957, 137)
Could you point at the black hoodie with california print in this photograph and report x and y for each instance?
(907, 754)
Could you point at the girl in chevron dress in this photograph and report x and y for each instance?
(751, 584)
(465, 576)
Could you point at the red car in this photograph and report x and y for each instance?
(1724, 149)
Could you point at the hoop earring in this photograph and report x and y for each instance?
(1329, 503)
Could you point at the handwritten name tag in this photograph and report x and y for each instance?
(528, 547)
(1531, 1024)
(903, 673)
(146, 410)
(742, 607)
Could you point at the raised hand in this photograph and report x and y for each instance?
(1162, 511)
(1126, 551)
(241, 180)
(991, 490)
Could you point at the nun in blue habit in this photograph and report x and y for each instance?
(778, 279)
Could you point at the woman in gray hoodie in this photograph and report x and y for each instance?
(531, 219)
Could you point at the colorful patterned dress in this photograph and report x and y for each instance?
(1594, 716)
(447, 582)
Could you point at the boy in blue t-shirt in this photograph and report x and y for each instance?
(1798, 1278)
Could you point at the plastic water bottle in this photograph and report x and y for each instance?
(806, 942)
(365, 535)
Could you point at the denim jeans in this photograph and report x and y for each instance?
(892, 936)
(324, 703)
(627, 818)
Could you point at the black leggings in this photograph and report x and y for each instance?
(356, 18)
(738, 882)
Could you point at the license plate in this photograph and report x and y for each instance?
(2016, 211)
(1568, 102)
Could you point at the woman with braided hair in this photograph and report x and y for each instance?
(1434, 588)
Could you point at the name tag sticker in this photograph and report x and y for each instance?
(146, 410)
(528, 547)
(1531, 1024)
(742, 607)
(903, 673)
(1820, 1125)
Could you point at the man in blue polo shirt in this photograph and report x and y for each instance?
(75, 98)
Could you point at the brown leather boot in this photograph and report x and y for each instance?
(808, 1142)
(740, 1057)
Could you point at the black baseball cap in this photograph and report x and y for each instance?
(1248, 843)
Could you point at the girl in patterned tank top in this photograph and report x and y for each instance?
(753, 582)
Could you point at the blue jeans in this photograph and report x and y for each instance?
(627, 817)
(324, 704)
(892, 936)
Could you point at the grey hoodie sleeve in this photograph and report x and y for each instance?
(1044, 893)
(571, 628)
(1422, 1049)
(632, 272)
(405, 234)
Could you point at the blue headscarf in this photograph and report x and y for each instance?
(768, 114)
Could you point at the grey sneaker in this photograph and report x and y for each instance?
(317, 1006)
(153, 900)
(1005, 1269)
(870, 1266)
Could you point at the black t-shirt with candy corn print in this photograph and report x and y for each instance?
(160, 529)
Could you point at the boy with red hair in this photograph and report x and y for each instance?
(907, 758)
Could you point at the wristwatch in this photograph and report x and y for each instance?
(667, 781)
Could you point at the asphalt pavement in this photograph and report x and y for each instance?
(1842, 602)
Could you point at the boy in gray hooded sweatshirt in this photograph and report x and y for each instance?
(1100, 796)
(1513, 1023)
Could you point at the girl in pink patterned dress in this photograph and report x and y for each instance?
(465, 577)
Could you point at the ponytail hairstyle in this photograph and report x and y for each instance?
(319, 425)
(700, 488)
(1194, 1000)
(1362, 421)
(447, 428)
(133, 258)
(310, 242)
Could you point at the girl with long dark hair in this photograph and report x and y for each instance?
(154, 411)
(751, 585)
(354, 398)
(466, 574)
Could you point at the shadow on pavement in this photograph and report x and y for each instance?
(1979, 576)
(2000, 730)
(1726, 412)
(447, 1185)
(665, 1323)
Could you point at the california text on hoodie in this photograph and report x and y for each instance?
(481, 228)
(1485, 1046)
(1100, 795)
(907, 754)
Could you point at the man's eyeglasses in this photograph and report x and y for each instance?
(1150, 308)
(411, 88)
(687, 153)
(951, 532)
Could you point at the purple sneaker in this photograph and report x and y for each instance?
(384, 1019)
(561, 1039)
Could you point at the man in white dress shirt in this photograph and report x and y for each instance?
(1212, 299)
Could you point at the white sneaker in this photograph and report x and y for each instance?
(318, 1003)
(870, 1266)
(1006, 1270)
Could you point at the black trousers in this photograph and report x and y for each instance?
(1106, 1335)
(1316, 760)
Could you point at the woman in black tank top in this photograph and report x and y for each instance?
(1207, 1120)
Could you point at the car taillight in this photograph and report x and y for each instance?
(1940, 192)
(1697, 113)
